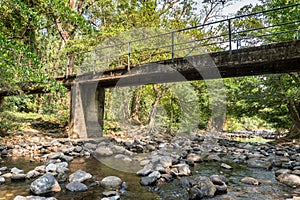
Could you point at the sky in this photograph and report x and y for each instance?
(236, 5)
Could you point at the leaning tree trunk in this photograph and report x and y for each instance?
(158, 96)
(294, 110)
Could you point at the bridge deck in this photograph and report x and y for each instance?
(268, 59)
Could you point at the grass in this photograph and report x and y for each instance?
(11, 122)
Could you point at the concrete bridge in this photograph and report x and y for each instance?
(88, 90)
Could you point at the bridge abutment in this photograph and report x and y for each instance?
(87, 110)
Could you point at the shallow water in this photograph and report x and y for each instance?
(269, 189)
(11, 189)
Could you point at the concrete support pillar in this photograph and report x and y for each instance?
(87, 110)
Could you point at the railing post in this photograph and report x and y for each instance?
(172, 47)
(129, 52)
(229, 34)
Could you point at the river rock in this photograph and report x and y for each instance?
(61, 169)
(51, 167)
(166, 161)
(148, 180)
(3, 168)
(207, 187)
(32, 174)
(17, 177)
(33, 198)
(44, 184)
(41, 169)
(103, 151)
(76, 186)
(193, 157)
(2, 180)
(181, 169)
(55, 155)
(195, 194)
(147, 169)
(212, 157)
(250, 181)
(155, 174)
(282, 171)
(257, 163)
(79, 176)
(117, 197)
(16, 171)
(289, 179)
(218, 179)
(67, 158)
(7, 175)
(225, 166)
(111, 182)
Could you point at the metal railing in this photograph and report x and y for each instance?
(224, 35)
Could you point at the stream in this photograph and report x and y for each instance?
(268, 189)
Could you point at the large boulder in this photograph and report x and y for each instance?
(45, 184)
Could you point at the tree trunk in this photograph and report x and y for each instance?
(294, 110)
(71, 64)
(135, 105)
(158, 96)
(1, 103)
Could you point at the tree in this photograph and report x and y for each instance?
(274, 98)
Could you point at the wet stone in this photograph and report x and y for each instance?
(16, 171)
(147, 181)
(2, 180)
(111, 182)
(45, 184)
(76, 187)
(225, 166)
(291, 180)
(18, 177)
(51, 168)
(195, 193)
(206, 186)
(212, 157)
(33, 198)
(257, 163)
(79, 176)
(109, 193)
(250, 181)
(32, 174)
